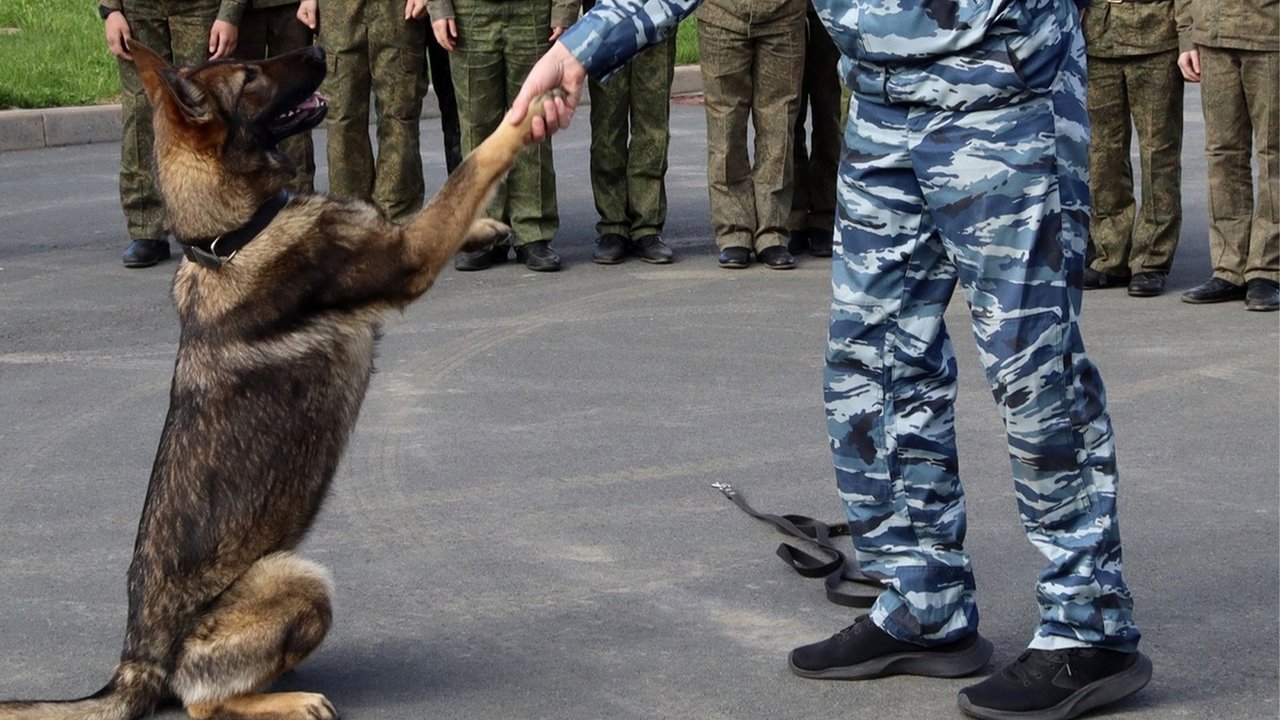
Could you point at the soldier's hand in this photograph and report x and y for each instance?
(556, 32)
(308, 14)
(446, 32)
(557, 69)
(222, 39)
(414, 9)
(1189, 64)
(118, 35)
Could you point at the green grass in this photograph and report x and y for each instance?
(687, 41)
(54, 53)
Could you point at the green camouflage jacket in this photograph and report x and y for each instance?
(1236, 24)
(1131, 28)
(563, 12)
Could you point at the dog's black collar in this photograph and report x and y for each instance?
(213, 253)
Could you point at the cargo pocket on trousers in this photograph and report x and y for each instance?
(411, 63)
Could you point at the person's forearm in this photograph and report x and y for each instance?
(616, 30)
(231, 11)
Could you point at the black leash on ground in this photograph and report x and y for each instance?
(838, 572)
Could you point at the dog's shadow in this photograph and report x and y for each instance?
(397, 671)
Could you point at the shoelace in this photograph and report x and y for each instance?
(1026, 669)
(853, 629)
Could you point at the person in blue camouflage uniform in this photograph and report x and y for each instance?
(965, 161)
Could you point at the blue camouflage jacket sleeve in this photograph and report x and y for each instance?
(613, 32)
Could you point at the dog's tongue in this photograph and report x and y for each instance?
(315, 101)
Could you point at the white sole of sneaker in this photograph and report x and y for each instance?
(923, 663)
(1090, 697)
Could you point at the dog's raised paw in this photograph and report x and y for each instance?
(484, 234)
(536, 109)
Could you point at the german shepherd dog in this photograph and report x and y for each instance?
(276, 350)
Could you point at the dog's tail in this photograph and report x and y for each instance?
(132, 693)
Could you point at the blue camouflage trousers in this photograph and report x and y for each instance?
(973, 169)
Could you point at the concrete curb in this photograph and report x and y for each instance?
(55, 127)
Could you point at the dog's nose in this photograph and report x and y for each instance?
(315, 52)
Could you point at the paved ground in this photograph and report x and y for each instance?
(524, 525)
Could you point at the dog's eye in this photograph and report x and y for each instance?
(250, 74)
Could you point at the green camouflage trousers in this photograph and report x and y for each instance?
(498, 43)
(182, 40)
(813, 199)
(1127, 237)
(371, 47)
(754, 75)
(628, 179)
(1242, 107)
(267, 32)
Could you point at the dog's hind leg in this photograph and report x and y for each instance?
(265, 624)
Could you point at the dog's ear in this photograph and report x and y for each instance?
(166, 86)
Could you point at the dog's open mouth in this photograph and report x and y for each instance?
(306, 115)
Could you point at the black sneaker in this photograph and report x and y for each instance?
(863, 651)
(1056, 684)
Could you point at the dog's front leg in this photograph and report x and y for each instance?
(448, 223)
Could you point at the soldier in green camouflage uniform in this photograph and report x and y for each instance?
(270, 28)
(494, 43)
(181, 31)
(1133, 73)
(372, 47)
(1234, 45)
(813, 199)
(628, 169)
(446, 99)
(752, 54)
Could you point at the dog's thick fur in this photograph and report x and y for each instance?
(275, 355)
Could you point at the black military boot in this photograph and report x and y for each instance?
(145, 253)
(611, 249)
(1215, 290)
(538, 256)
(1261, 294)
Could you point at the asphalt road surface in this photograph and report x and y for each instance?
(524, 525)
